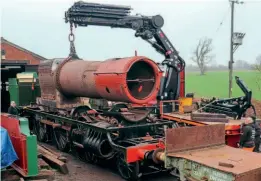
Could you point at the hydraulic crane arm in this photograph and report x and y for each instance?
(235, 107)
(146, 27)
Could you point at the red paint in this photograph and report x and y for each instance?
(182, 84)
(232, 140)
(18, 140)
(112, 75)
(232, 135)
(136, 153)
(140, 88)
(106, 79)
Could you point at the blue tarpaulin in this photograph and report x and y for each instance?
(8, 154)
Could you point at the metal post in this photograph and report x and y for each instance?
(232, 46)
(231, 49)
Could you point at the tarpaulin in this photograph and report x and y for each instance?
(8, 154)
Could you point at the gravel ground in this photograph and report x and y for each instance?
(81, 171)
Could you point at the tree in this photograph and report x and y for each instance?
(202, 55)
(257, 68)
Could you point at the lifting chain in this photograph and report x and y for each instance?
(71, 38)
(72, 56)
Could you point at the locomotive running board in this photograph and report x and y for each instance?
(200, 153)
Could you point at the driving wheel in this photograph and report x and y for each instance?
(128, 171)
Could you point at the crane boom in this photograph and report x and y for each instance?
(146, 27)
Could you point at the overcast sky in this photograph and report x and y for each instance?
(39, 26)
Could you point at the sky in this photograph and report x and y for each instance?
(38, 25)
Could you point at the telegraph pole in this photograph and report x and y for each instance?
(231, 49)
(232, 45)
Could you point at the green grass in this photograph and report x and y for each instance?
(216, 84)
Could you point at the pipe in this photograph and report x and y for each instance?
(160, 156)
(133, 79)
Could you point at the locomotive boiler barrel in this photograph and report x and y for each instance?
(133, 79)
(76, 78)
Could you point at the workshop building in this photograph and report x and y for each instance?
(13, 53)
(15, 59)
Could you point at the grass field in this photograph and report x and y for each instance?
(216, 84)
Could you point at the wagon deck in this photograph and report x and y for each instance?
(207, 157)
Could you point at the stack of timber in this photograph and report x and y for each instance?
(48, 162)
(54, 159)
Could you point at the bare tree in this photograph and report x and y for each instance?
(202, 55)
(257, 68)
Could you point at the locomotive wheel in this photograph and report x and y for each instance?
(40, 129)
(86, 156)
(128, 171)
(90, 158)
(80, 154)
(78, 113)
(61, 139)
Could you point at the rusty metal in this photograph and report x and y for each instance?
(77, 78)
(135, 115)
(188, 109)
(45, 80)
(229, 165)
(64, 82)
(188, 138)
(50, 123)
(191, 179)
(207, 115)
(133, 79)
(211, 119)
(58, 71)
(246, 164)
(48, 71)
(157, 155)
(209, 160)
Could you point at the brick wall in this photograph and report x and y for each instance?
(12, 53)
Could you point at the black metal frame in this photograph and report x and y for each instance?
(106, 131)
(234, 107)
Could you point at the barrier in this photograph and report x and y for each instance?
(24, 144)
